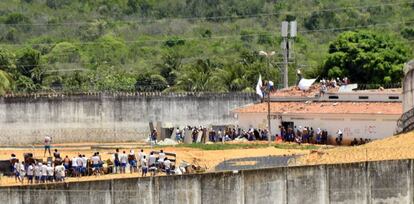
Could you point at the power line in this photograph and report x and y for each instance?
(225, 36)
(146, 20)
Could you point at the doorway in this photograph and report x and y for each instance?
(288, 125)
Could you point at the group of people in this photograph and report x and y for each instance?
(333, 83)
(361, 141)
(304, 135)
(142, 162)
(199, 134)
(287, 134)
(57, 169)
(36, 172)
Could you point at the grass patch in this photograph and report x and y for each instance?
(223, 146)
(296, 146)
(220, 146)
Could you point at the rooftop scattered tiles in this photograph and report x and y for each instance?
(294, 91)
(386, 108)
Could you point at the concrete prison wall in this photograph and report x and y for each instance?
(109, 117)
(367, 182)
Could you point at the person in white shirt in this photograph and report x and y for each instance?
(144, 166)
(19, 171)
(161, 156)
(123, 158)
(140, 155)
(48, 141)
(85, 165)
(44, 173)
(50, 172)
(74, 166)
(79, 164)
(38, 172)
(152, 165)
(30, 173)
(60, 172)
(151, 160)
(96, 160)
(167, 166)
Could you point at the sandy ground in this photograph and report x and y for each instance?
(391, 148)
(208, 159)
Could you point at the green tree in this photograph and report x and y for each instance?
(170, 64)
(232, 77)
(408, 33)
(133, 6)
(109, 78)
(199, 77)
(366, 57)
(148, 82)
(5, 82)
(108, 49)
(18, 21)
(64, 52)
(27, 60)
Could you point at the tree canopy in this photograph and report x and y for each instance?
(367, 57)
(196, 45)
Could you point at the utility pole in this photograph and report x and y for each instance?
(267, 90)
(287, 46)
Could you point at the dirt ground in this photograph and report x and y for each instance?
(391, 148)
(208, 159)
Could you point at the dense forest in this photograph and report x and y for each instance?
(196, 45)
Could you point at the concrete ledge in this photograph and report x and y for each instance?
(364, 182)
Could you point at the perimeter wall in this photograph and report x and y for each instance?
(367, 182)
(110, 117)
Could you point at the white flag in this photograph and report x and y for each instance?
(259, 87)
(305, 84)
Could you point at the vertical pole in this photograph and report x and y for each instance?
(285, 62)
(269, 133)
(268, 116)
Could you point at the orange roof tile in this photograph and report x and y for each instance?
(388, 108)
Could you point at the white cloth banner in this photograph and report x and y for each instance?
(305, 84)
(259, 87)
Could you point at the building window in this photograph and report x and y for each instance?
(393, 97)
(333, 97)
(363, 97)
